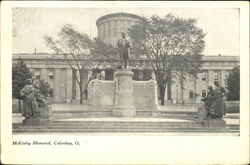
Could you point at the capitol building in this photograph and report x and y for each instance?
(54, 68)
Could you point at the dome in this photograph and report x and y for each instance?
(110, 26)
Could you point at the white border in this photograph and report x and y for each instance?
(103, 149)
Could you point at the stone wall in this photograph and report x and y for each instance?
(145, 96)
(102, 97)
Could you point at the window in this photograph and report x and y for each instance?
(123, 26)
(99, 32)
(136, 74)
(104, 30)
(73, 84)
(203, 93)
(109, 31)
(109, 74)
(115, 28)
(50, 93)
(216, 75)
(191, 94)
(191, 77)
(86, 94)
(51, 75)
(203, 76)
(147, 74)
(129, 23)
(37, 74)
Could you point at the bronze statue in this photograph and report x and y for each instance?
(30, 106)
(34, 102)
(218, 108)
(123, 45)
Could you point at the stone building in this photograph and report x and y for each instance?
(55, 70)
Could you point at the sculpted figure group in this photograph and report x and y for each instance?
(214, 103)
(34, 103)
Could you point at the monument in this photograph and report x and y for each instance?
(124, 98)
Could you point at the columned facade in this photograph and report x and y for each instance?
(55, 70)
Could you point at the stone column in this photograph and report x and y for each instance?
(223, 77)
(169, 86)
(69, 86)
(57, 85)
(77, 86)
(153, 76)
(102, 75)
(210, 77)
(124, 99)
(90, 87)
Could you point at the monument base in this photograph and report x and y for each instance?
(36, 121)
(218, 122)
(201, 113)
(124, 111)
(124, 97)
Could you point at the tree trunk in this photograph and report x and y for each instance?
(19, 105)
(169, 86)
(195, 90)
(181, 92)
(162, 95)
(181, 89)
(81, 95)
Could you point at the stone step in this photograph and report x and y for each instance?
(123, 123)
(127, 127)
(75, 130)
(178, 112)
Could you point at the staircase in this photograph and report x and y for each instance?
(171, 122)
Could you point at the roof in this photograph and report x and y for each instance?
(118, 14)
(60, 57)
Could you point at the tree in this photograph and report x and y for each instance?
(170, 44)
(20, 73)
(233, 84)
(44, 87)
(81, 52)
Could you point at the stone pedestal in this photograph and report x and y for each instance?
(42, 116)
(201, 113)
(36, 121)
(124, 99)
(217, 122)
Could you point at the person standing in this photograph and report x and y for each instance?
(209, 101)
(123, 45)
(218, 108)
(30, 105)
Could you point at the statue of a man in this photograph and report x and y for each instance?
(124, 46)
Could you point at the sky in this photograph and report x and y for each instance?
(30, 25)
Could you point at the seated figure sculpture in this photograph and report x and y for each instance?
(218, 108)
(209, 101)
(214, 103)
(34, 103)
(30, 106)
